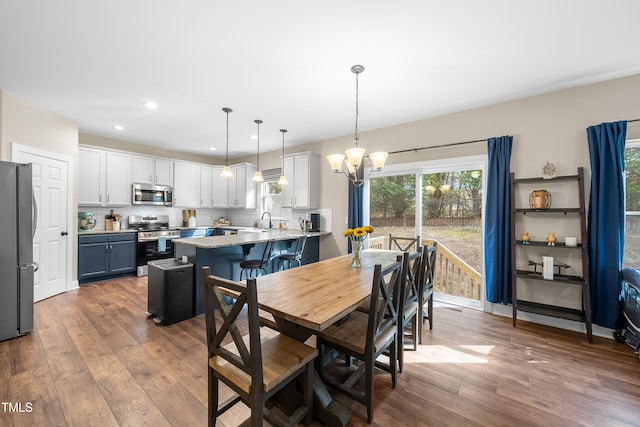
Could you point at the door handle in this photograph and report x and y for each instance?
(63, 233)
(34, 216)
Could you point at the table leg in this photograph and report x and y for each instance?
(329, 411)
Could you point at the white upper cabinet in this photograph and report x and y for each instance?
(287, 190)
(205, 186)
(241, 189)
(150, 170)
(219, 194)
(118, 179)
(302, 172)
(186, 185)
(105, 178)
(91, 164)
(163, 171)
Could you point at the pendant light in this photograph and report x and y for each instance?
(353, 164)
(226, 171)
(283, 179)
(257, 176)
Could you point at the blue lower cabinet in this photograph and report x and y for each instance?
(106, 256)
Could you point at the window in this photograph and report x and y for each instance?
(271, 200)
(271, 196)
(631, 258)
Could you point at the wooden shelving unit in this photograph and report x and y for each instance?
(532, 277)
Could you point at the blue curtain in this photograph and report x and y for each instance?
(356, 205)
(605, 231)
(497, 253)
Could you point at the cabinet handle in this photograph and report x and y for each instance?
(150, 178)
(107, 198)
(100, 198)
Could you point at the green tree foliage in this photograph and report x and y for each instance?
(452, 194)
(393, 196)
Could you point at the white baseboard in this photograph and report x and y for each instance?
(73, 285)
(570, 325)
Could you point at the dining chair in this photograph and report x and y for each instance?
(404, 244)
(376, 242)
(426, 282)
(364, 337)
(257, 265)
(255, 366)
(409, 303)
(295, 256)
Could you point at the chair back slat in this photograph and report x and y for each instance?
(410, 291)
(268, 251)
(384, 300)
(300, 244)
(247, 359)
(429, 264)
(404, 244)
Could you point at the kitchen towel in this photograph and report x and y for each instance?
(162, 244)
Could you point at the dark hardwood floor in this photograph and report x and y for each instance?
(95, 359)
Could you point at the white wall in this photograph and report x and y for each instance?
(28, 124)
(545, 127)
(24, 123)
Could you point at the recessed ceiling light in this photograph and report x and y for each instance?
(151, 105)
(212, 148)
(254, 137)
(118, 127)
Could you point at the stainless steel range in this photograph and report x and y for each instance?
(154, 239)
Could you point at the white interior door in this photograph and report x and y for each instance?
(50, 182)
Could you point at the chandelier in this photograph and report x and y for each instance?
(283, 178)
(226, 170)
(353, 165)
(257, 176)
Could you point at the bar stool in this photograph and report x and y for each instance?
(296, 255)
(258, 264)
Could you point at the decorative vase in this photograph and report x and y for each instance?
(356, 246)
(540, 199)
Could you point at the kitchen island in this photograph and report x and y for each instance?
(225, 253)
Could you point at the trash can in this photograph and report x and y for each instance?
(170, 291)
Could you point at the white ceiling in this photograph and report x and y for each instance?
(287, 62)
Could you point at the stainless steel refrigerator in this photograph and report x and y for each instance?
(17, 226)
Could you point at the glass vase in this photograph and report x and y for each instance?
(356, 247)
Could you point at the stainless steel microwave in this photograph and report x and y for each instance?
(149, 194)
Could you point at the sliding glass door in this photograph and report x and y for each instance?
(441, 202)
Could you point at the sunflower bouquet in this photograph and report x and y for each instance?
(357, 237)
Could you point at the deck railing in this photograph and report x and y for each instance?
(453, 276)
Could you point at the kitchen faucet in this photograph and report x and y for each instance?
(262, 217)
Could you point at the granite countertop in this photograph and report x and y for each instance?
(245, 236)
(204, 227)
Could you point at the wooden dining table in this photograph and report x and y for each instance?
(308, 299)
